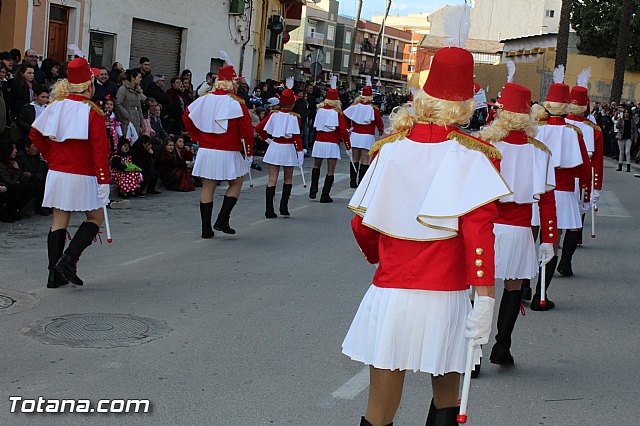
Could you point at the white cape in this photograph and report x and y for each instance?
(211, 113)
(360, 113)
(65, 119)
(326, 120)
(282, 125)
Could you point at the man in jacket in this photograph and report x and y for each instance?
(104, 86)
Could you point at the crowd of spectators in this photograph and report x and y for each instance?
(143, 114)
(619, 124)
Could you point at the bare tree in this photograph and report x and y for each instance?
(563, 33)
(353, 43)
(627, 9)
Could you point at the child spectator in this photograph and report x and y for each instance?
(143, 156)
(15, 193)
(171, 168)
(124, 173)
(114, 127)
(32, 110)
(33, 172)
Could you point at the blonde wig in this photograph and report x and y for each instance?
(223, 85)
(62, 88)
(556, 108)
(330, 102)
(539, 113)
(362, 99)
(505, 122)
(577, 109)
(427, 109)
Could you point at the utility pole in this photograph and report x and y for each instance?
(381, 38)
(354, 37)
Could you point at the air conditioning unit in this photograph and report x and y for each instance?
(276, 27)
(237, 7)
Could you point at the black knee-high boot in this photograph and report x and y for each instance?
(569, 246)
(206, 210)
(353, 174)
(326, 189)
(222, 222)
(442, 416)
(549, 270)
(315, 180)
(81, 240)
(269, 212)
(284, 201)
(363, 170)
(55, 249)
(526, 290)
(507, 316)
(365, 422)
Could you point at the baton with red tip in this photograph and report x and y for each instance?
(543, 285)
(593, 206)
(304, 182)
(106, 223)
(466, 384)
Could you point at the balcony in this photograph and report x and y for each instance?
(315, 39)
(389, 53)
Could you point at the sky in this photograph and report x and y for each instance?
(398, 7)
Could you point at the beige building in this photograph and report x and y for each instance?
(415, 22)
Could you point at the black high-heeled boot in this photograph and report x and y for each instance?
(442, 416)
(507, 316)
(284, 201)
(526, 290)
(535, 301)
(222, 222)
(315, 180)
(81, 240)
(363, 171)
(353, 175)
(326, 189)
(206, 210)
(269, 212)
(55, 248)
(569, 246)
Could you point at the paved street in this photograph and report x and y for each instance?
(247, 329)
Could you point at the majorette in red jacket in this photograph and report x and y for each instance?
(341, 133)
(295, 139)
(597, 159)
(369, 129)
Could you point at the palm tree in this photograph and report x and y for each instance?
(563, 33)
(627, 9)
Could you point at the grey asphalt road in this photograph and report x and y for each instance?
(251, 325)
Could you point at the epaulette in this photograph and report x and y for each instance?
(295, 114)
(94, 107)
(237, 98)
(375, 107)
(535, 142)
(387, 139)
(593, 125)
(542, 123)
(475, 144)
(338, 110)
(571, 126)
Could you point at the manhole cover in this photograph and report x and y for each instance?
(6, 301)
(97, 330)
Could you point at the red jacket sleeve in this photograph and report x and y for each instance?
(246, 130)
(260, 128)
(99, 147)
(548, 219)
(297, 139)
(476, 229)
(41, 142)
(367, 240)
(378, 121)
(598, 158)
(584, 170)
(344, 130)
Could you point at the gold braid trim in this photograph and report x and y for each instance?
(237, 98)
(295, 114)
(388, 139)
(470, 142)
(535, 142)
(94, 107)
(338, 110)
(571, 126)
(593, 125)
(542, 123)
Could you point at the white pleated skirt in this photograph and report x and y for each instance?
(216, 164)
(567, 210)
(419, 330)
(281, 154)
(325, 150)
(535, 214)
(70, 192)
(515, 252)
(358, 140)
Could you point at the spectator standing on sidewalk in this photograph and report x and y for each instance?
(177, 106)
(31, 60)
(104, 87)
(627, 135)
(129, 102)
(145, 72)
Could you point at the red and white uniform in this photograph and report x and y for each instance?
(425, 212)
(365, 119)
(71, 135)
(527, 168)
(571, 160)
(331, 128)
(282, 130)
(594, 143)
(219, 122)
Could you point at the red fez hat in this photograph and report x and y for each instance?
(580, 96)
(79, 71)
(332, 95)
(515, 98)
(366, 91)
(451, 75)
(287, 98)
(476, 87)
(226, 73)
(558, 92)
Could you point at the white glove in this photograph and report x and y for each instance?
(350, 154)
(545, 253)
(104, 190)
(479, 320)
(583, 207)
(300, 158)
(595, 196)
(268, 141)
(248, 161)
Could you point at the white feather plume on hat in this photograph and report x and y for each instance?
(76, 50)
(367, 80)
(334, 81)
(226, 58)
(457, 23)
(511, 70)
(583, 77)
(289, 82)
(558, 74)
